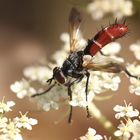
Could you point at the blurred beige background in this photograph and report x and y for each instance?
(29, 31)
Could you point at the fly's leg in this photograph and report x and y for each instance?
(70, 95)
(86, 91)
(130, 75)
(82, 73)
(103, 54)
(44, 92)
(50, 80)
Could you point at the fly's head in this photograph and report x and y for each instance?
(58, 75)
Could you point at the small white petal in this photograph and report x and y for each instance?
(33, 121)
(46, 107)
(118, 108)
(10, 103)
(118, 133)
(28, 126)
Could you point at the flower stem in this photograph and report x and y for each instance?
(96, 113)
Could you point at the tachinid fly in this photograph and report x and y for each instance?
(75, 68)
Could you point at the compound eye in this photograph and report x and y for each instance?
(58, 75)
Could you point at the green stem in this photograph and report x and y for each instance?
(96, 113)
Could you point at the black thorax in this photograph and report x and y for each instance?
(72, 66)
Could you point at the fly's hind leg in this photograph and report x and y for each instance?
(102, 53)
(130, 75)
(87, 74)
(86, 91)
(70, 95)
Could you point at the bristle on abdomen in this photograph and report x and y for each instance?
(104, 37)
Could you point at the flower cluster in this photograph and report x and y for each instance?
(102, 82)
(125, 111)
(135, 82)
(57, 96)
(135, 48)
(22, 88)
(119, 8)
(10, 129)
(91, 135)
(129, 128)
(101, 79)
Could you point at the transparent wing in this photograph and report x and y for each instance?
(111, 65)
(105, 63)
(74, 25)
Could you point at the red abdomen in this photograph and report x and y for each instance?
(104, 37)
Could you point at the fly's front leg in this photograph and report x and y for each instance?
(44, 92)
(86, 91)
(70, 95)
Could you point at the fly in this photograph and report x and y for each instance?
(76, 68)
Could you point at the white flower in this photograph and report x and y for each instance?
(119, 8)
(10, 132)
(52, 99)
(22, 88)
(112, 48)
(59, 57)
(104, 81)
(133, 69)
(136, 128)
(64, 37)
(10, 129)
(123, 8)
(113, 83)
(98, 83)
(7, 137)
(128, 127)
(135, 48)
(135, 83)
(51, 104)
(79, 95)
(6, 107)
(135, 87)
(38, 73)
(125, 111)
(24, 122)
(91, 135)
(124, 131)
(98, 8)
(3, 122)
